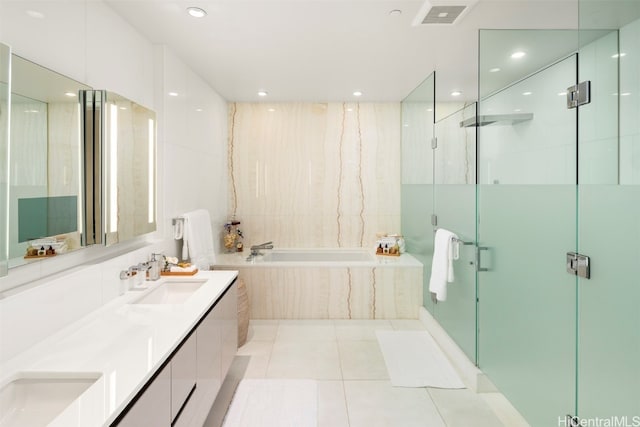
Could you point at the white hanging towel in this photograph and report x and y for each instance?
(199, 239)
(445, 250)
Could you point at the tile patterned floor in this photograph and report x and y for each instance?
(353, 385)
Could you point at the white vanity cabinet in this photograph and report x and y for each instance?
(153, 407)
(183, 375)
(217, 344)
(183, 393)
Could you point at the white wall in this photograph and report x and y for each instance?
(86, 40)
(193, 164)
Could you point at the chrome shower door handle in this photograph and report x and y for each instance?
(479, 249)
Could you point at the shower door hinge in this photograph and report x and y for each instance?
(434, 143)
(579, 94)
(434, 220)
(578, 265)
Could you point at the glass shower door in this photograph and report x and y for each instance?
(418, 114)
(609, 229)
(454, 205)
(526, 201)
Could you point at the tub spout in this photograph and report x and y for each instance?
(255, 249)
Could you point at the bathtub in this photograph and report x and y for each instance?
(323, 283)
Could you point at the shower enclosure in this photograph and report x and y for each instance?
(545, 300)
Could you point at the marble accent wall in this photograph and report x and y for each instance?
(333, 292)
(314, 174)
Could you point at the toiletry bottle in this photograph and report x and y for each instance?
(154, 266)
(379, 249)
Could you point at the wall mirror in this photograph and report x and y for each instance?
(5, 92)
(45, 197)
(82, 166)
(129, 151)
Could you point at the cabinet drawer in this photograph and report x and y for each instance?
(183, 374)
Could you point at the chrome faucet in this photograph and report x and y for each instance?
(255, 249)
(131, 271)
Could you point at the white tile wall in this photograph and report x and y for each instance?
(191, 156)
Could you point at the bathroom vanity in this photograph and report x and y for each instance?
(155, 356)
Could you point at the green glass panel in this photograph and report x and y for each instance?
(526, 219)
(609, 322)
(527, 300)
(417, 176)
(609, 221)
(417, 206)
(455, 202)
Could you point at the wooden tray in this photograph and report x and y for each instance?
(178, 273)
(387, 254)
(38, 256)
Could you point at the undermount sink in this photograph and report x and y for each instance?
(35, 399)
(171, 292)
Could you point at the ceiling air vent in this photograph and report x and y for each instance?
(442, 11)
(443, 14)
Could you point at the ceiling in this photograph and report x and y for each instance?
(324, 50)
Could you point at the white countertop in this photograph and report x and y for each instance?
(124, 343)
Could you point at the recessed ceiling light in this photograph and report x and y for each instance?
(196, 12)
(69, 94)
(518, 55)
(35, 14)
(173, 94)
(271, 110)
(262, 93)
(526, 93)
(198, 109)
(494, 70)
(456, 93)
(349, 109)
(619, 55)
(395, 12)
(357, 93)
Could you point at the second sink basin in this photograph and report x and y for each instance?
(171, 292)
(35, 399)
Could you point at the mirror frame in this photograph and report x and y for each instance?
(5, 117)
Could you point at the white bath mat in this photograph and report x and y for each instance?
(414, 359)
(274, 403)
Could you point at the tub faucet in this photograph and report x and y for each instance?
(255, 249)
